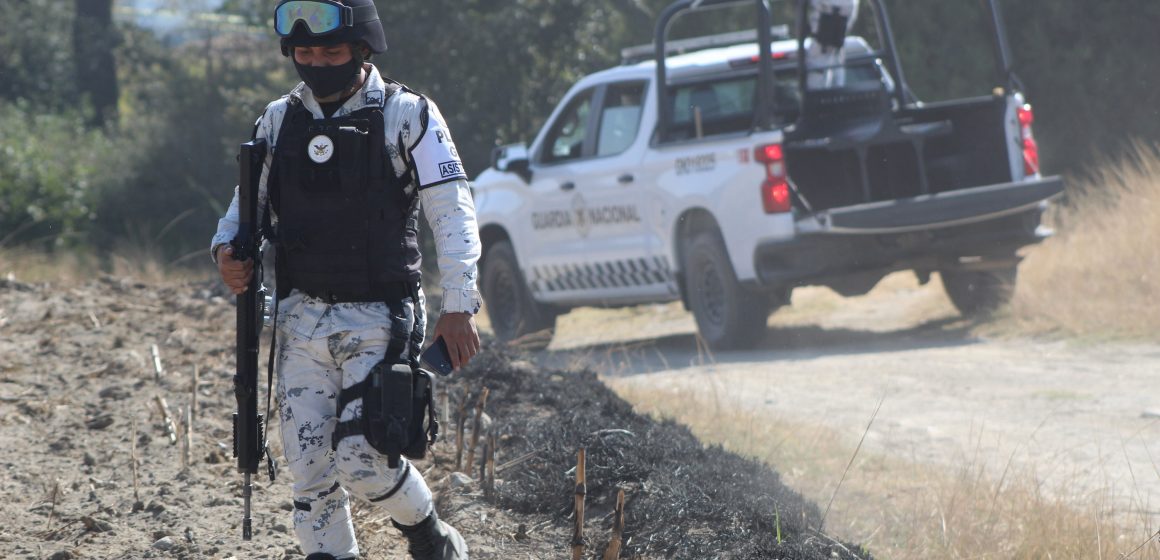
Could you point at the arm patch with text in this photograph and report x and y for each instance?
(435, 157)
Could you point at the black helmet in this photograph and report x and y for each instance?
(317, 23)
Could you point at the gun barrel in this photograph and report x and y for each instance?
(247, 521)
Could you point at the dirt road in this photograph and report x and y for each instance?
(1082, 417)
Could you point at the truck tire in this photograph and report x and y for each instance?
(510, 307)
(979, 292)
(729, 316)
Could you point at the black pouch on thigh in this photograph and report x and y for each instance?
(398, 412)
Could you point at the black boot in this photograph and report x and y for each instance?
(432, 539)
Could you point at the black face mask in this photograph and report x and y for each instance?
(325, 81)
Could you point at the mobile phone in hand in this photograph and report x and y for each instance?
(437, 357)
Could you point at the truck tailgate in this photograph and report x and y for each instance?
(934, 211)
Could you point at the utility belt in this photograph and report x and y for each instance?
(385, 292)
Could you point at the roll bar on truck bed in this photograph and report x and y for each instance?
(763, 112)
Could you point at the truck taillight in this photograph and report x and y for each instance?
(775, 195)
(1030, 148)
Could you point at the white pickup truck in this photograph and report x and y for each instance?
(715, 174)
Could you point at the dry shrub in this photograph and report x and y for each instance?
(1100, 275)
(27, 265)
(903, 510)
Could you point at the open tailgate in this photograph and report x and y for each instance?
(935, 211)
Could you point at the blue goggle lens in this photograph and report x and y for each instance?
(319, 17)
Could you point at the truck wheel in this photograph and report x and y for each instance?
(510, 307)
(978, 292)
(728, 315)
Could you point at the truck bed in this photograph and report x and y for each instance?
(922, 151)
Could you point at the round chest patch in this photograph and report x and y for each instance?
(321, 149)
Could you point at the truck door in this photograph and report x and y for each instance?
(588, 225)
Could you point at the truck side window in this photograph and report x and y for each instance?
(565, 140)
(620, 117)
(723, 105)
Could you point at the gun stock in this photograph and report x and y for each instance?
(249, 431)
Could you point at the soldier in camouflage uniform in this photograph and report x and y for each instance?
(353, 157)
(829, 21)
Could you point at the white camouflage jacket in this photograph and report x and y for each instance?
(444, 193)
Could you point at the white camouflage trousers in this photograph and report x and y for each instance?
(324, 348)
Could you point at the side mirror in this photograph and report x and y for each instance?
(512, 158)
(521, 167)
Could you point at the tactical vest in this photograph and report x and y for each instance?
(347, 225)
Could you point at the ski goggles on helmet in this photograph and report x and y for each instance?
(319, 16)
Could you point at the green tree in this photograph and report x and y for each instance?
(37, 64)
(1087, 67)
(52, 168)
(185, 110)
(1091, 71)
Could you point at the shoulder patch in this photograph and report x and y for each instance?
(434, 154)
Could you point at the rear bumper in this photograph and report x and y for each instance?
(828, 257)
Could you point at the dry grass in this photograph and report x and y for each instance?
(74, 268)
(906, 510)
(36, 267)
(1100, 276)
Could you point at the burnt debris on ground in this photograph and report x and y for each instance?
(684, 500)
